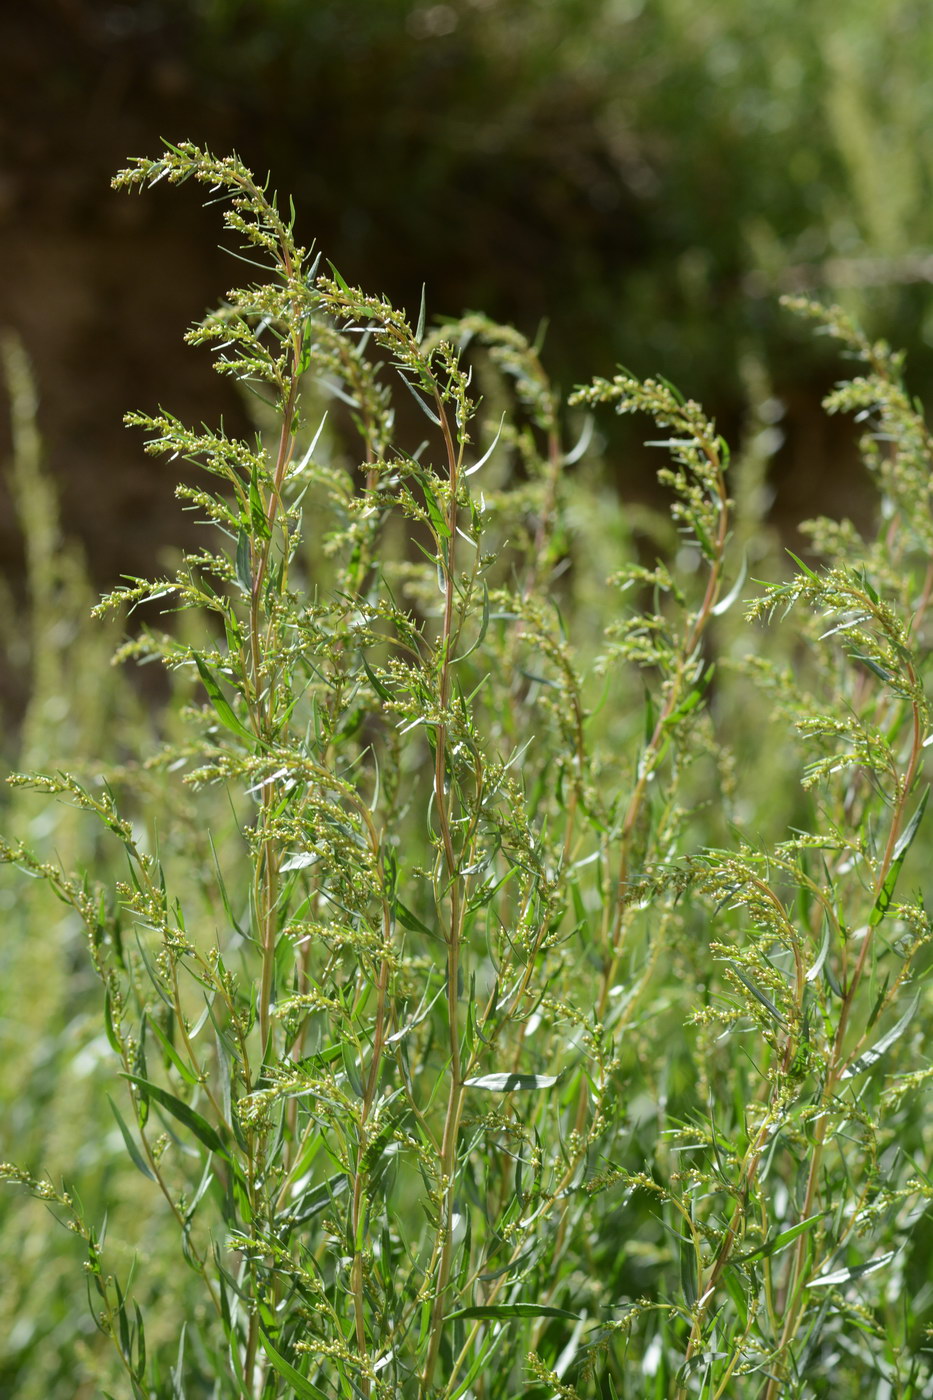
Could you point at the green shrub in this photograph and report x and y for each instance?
(494, 1011)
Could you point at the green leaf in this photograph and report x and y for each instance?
(243, 573)
(873, 1055)
(257, 511)
(832, 981)
(375, 682)
(688, 1271)
(409, 920)
(184, 1070)
(651, 717)
(315, 1201)
(419, 330)
(489, 451)
(509, 1083)
(759, 995)
(429, 412)
(872, 665)
(781, 1241)
(182, 1111)
(501, 1310)
(220, 703)
(843, 1276)
(817, 967)
(337, 277)
(177, 1372)
(136, 1156)
(869, 589)
(672, 389)
(734, 1285)
(302, 1387)
(802, 567)
(905, 840)
(109, 1026)
(300, 861)
(692, 699)
(581, 444)
(305, 346)
(703, 540)
(438, 519)
(484, 627)
(725, 604)
(480, 1364)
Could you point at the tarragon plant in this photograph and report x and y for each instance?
(463, 1046)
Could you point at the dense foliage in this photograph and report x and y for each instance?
(510, 977)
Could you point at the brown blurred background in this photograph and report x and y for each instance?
(646, 176)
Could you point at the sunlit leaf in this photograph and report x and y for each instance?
(509, 1083)
(492, 1311)
(839, 1277)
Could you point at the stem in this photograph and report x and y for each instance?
(448, 1157)
(267, 872)
(839, 1059)
(369, 1096)
(616, 937)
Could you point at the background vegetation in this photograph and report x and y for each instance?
(516, 844)
(646, 178)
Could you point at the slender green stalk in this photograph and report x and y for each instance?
(507, 955)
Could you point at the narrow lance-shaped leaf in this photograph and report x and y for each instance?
(779, 1241)
(305, 348)
(315, 1201)
(703, 539)
(489, 450)
(693, 698)
(758, 994)
(725, 603)
(422, 404)
(409, 920)
(509, 1083)
(221, 704)
(110, 1025)
(688, 1271)
(382, 691)
(905, 840)
(341, 282)
(136, 1156)
(873, 1055)
(872, 665)
(187, 1074)
(257, 509)
(299, 861)
(182, 1111)
(582, 443)
(802, 567)
(438, 520)
(493, 1311)
(484, 627)
(243, 572)
(177, 1372)
(672, 389)
(843, 1276)
(817, 967)
(300, 1386)
(419, 329)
